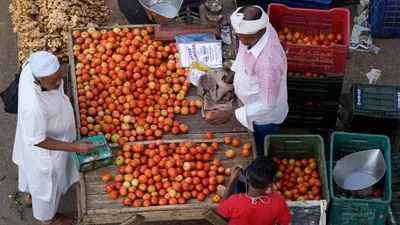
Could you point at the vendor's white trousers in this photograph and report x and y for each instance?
(42, 210)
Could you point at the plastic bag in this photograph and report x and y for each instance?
(197, 70)
(206, 52)
(10, 96)
(308, 212)
(187, 38)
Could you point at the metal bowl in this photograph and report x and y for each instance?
(161, 11)
(358, 172)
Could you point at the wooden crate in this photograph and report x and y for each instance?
(94, 204)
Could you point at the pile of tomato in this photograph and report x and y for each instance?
(160, 174)
(298, 180)
(130, 87)
(295, 37)
(305, 74)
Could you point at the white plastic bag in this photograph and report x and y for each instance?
(206, 52)
(197, 69)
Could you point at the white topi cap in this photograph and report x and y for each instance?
(43, 64)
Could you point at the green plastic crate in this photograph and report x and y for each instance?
(300, 147)
(349, 211)
(372, 100)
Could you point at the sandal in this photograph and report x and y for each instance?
(60, 219)
(27, 200)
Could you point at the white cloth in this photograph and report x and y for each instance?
(45, 174)
(243, 26)
(246, 87)
(43, 64)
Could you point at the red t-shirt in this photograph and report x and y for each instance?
(241, 211)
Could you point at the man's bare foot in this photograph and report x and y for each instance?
(60, 219)
(27, 199)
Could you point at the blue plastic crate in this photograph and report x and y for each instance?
(311, 4)
(385, 18)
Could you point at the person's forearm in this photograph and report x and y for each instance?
(53, 144)
(229, 189)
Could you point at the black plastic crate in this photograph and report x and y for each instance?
(394, 210)
(315, 88)
(396, 172)
(321, 115)
(373, 125)
(372, 100)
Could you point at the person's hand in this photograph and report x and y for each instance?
(229, 77)
(221, 117)
(235, 171)
(85, 147)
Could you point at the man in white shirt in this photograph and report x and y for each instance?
(45, 130)
(259, 76)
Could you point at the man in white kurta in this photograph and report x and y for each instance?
(45, 130)
(260, 76)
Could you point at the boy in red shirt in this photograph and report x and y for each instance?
(259, 206)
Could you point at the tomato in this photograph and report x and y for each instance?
(245, 152)
(201, 196)
(106, 177)
(229, 154)
(235, 142)
(227, 140)
(339, 37)
(109, 187)
(113, 194)
(209, 135)
(377, 193)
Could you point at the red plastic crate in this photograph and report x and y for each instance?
(322, 59)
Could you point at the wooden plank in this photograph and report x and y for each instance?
(134, 220)
(71, 60)
(82, 193)
(214, 218)
(116, 218)
(199, 138)
(195, 205)
(78, 203)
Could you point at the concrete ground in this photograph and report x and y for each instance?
(387, 60)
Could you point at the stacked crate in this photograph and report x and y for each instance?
(375, 109)
(394, 209)
(312, 4)
(384, 16)
(313, 98)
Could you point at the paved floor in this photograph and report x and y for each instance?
(387, 60)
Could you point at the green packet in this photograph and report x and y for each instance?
(100, 157)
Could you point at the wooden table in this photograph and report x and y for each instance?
(95, 206)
